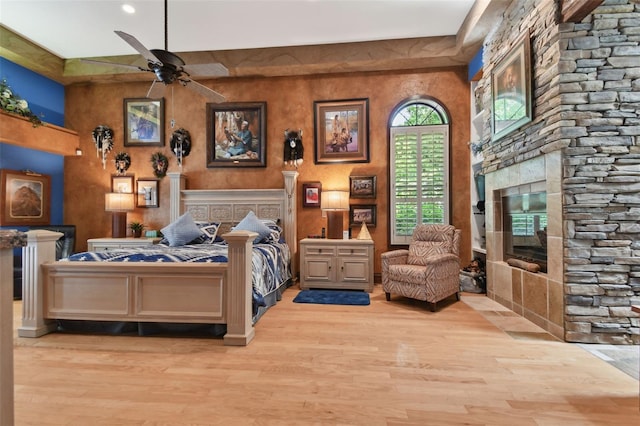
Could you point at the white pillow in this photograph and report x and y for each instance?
(181, 231)
(253, 224)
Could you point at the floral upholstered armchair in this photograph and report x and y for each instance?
(429, 270)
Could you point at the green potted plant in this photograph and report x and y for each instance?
(137, 228)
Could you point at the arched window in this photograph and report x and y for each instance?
(419, 167)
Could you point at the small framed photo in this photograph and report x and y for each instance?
(25, 198)
(311, 192)
(341, 131)
(237, 134)
(143, 122)
(362, 187)
(122, 183)
(359, 213)
(147, 195)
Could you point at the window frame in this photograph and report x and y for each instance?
(420, 130)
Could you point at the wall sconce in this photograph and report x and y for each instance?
(334, 204)
(79, 152)
(119, 204)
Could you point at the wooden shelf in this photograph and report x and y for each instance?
(17, 130)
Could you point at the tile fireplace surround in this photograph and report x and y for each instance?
(536, 296)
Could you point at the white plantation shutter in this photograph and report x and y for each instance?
(419, 179)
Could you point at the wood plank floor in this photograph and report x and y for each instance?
(390, 363)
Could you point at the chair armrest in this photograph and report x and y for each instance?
(394, 257)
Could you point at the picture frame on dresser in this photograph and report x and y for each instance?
(511, 104)
(236, 134)
(147, 194)
(25, 198)
(143, 122)
(359, 213)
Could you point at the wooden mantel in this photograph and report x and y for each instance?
(17, 130)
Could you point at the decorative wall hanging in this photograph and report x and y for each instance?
(122, 183)
(160, 164)
(511, 90)
(362, 187)
(311, 192)
(181, 144)
(123, 162)
(144, 122)
(293, 149)
(25, 198)
(341, 131)
(362, 213)
(147, 193)
(236, 134)
(103, 138)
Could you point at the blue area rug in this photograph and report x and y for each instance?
(333, 297)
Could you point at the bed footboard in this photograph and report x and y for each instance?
(147, 292)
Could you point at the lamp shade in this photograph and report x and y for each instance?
(118, 202)
(334, 201)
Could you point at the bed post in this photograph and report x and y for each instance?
(239, 289)
(41, 248)
(290, 217)
(177, 182)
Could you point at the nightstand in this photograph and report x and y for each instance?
(337, 264)
(104, 244)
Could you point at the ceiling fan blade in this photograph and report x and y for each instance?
(139, 47)
(156, 90)
(210, 94)
(206, 70)
(113, 64)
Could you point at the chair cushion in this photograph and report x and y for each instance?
(409, 274)
(419, 251)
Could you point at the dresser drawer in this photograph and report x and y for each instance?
(353, 251)
(319, 250)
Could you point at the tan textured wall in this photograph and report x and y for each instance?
(289, 105)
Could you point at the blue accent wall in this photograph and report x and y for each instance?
(475, 66)
(47, 97)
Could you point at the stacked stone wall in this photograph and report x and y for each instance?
(586, 97)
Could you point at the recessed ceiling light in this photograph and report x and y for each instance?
(128, 8)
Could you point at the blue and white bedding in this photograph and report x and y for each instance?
(270, 261)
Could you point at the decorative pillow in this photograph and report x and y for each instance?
(276, 234)
(209, 233)
(253, 224)
(181, 231)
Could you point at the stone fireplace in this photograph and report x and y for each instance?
(536, 296)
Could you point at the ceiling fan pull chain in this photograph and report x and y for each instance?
(173, 121)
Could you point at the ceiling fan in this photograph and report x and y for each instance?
(169, 68)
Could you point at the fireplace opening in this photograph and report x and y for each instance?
(525, 227)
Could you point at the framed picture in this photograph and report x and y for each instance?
(511, 90)
(237, 134)
(359, 213)
(147, 195)
(341, 131)
(311, 192)
(144, 122)
(122, 183)
(362, 187)
(25, 198)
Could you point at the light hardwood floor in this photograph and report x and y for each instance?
(390, 363)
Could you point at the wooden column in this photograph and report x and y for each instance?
(8, 240)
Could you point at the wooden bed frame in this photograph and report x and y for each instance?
(160, 292)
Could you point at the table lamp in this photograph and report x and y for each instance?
(334, 203)
(119, 203)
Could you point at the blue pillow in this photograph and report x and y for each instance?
(253, 224)
(181, 231)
